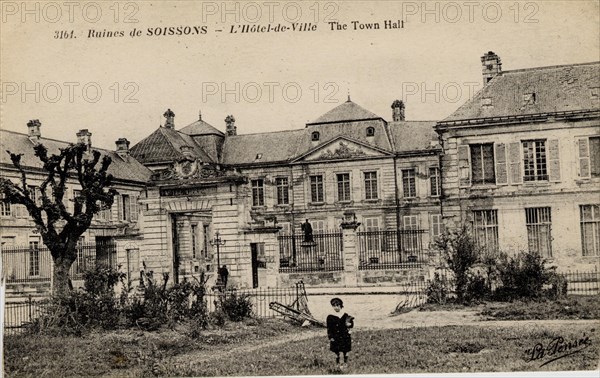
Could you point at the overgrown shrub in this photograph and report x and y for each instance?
(460, 252)
(437, 291)
(236, 307)
(95, 305)
(524, 275)
(477, 289)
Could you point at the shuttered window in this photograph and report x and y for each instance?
(588, 154)
(482, 164)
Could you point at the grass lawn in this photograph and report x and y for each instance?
(573, 307)
(276, 348)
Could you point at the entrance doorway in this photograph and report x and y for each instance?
(255, 250)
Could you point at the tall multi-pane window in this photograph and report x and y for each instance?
(373, 239)
(534, 160)
(258, 192)
(436, 226)
(409, 187)
(5, 208)
(410, 239)
(343, 187)
(371, 185)
(434, 181)
(283, 190)
(485, 227)
(482, 164)
(590, 229)
(316, 188)
(595, 156)
(194, 231)
(126, 209)
(34, 256)
(539, 230)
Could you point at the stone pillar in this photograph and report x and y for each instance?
(350, 254)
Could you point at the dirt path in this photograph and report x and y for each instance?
(412, 319)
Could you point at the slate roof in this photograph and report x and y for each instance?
(124, 169)
(164, 145)
(348, 111)
(556, 88)
(201, 127)
(409, 136)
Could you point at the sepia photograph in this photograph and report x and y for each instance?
(300, 188)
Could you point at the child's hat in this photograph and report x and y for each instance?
(337, 301)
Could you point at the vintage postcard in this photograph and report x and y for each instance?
(300, 188)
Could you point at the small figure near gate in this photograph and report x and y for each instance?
(338, 331)
(223, 274)
(308, 232)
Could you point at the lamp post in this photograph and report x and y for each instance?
(218, 242)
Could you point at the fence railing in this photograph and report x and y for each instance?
(323, 253)
(34, 264)
(18, 314)
(584, 283)
(260, 299)
(391, 249)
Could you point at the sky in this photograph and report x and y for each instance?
(77, 66)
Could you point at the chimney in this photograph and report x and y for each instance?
(170, 116)
(230, 125)
(85, 137)
(34, 133)
(187, 151)
(398, 111)
(491, 66)
(122, 147)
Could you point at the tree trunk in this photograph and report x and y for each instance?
(61, 280)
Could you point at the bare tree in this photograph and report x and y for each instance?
(60, 229)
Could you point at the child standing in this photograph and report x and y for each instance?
(340, 340)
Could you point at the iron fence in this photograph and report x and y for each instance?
(323, 253)
(260, 299)
(18, 314)
(585, 283)
(391, 249)
(34, 264)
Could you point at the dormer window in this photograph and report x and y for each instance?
(370, 131)
(528, 99)
(486, 101)
(315, 136)
(258, 156)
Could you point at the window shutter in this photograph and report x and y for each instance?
(464, 170)
(134, 209)
(501, 169)
(119, 207)
(583, 155)
(553, 160)
(514, 159)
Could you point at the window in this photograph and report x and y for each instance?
(539, 225)
(486, 101)
(77, 197)
(434, 181)
(408, 183)
(485, 227)
(437, 226)
(371, 186)
(316, 188)
(34, 256)
(410, 238)
(125, 209)
(482, 164)
(370, 131)
(194, 231)
(315, 136)
(343, 185)
(5, 208)
(7, 241)
(283, 190)
(373, 237)
(258, 192)
(590, 229)
(534, 160)
(588, 152)
(205, 240)
(34, 193)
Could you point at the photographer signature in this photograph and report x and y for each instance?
(557, 348)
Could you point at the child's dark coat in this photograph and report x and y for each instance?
(338, 331)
